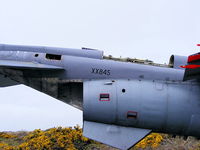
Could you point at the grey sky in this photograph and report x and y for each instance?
(143, 29)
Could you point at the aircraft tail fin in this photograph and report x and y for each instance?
(114, 135)
(192, 69)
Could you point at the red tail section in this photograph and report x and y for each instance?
(192, 69)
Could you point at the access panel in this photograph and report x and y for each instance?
(99, 101)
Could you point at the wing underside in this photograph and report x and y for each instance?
(5, 81)
(47, 79)
(13, 72)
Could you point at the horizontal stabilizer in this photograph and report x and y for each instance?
(26, 65)
(113, 135)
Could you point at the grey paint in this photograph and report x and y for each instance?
(163, 106)
(27, 65)
(155, 96)
(81, 67)
(113, 135)
(53, 50)
(177, 61)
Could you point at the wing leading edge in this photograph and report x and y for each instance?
(27, 65)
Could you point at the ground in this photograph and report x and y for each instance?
(72, 139)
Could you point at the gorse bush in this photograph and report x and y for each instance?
(153, 140)
(7, 135)
(54, 138)
(60, 139)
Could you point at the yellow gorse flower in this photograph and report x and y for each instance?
(153, 140)
(6, 135)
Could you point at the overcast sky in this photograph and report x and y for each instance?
(146, 29)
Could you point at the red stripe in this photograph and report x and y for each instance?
(191, 66)
(193, 57)
(198, 44)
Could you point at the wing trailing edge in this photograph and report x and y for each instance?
(114, 135)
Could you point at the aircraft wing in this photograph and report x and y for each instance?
(27, 65)
(192, 69)
(10, 69)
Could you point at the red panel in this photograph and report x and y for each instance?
(193, 57)
(198, 44)
(191, 66)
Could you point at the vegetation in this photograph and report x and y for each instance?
(72, 139)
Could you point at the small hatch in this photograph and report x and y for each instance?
(53, 57)
(104, 97)
(132, 115)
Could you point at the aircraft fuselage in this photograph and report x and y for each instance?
(116, 97)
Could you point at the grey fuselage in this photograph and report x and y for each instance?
(157, 95)
(82, 67)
